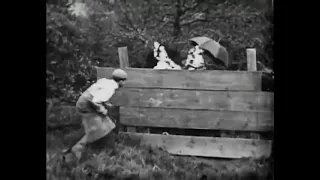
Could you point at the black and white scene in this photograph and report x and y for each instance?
(159, 90)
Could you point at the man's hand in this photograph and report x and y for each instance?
(100, 108)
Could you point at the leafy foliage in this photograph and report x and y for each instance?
(76, 44)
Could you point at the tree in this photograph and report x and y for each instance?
(76, 44)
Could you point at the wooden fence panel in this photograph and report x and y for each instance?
(184, 79)
(205, 146)
(199, 119)
(186, 99)
(217, 100)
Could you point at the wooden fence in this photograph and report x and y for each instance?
(201, 100)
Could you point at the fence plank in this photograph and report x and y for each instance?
(189, 119)
(184, 79)
(205, 146)
(209, 100)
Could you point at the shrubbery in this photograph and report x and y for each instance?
(76, 44)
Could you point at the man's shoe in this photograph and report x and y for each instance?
(69, 157)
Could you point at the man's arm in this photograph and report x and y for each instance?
(102, 95)
(102, 91)
(100, 98)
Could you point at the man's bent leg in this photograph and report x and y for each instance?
(97, 137)
(76, 150)
(106, 142)
(98, 127)
(109, 136)
(83, 109)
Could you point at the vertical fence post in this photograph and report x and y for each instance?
(252, 66)
(123, 57)
(251, 59)
(124, 63)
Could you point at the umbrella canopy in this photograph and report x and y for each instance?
(216, 50)
(200, 40)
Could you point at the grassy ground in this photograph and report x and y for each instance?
(128, 160)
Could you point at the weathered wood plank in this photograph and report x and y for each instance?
(123, 57)
(205, 146)
(251, 59)
(184, 79)
(124, 63)
(199, 119)
(186, 99)
(252, 66)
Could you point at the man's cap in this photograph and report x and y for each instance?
(119, 74)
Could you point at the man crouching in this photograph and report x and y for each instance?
(93, 106)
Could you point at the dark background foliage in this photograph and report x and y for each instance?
(76, 44)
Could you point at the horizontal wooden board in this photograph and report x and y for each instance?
(197, 119)
(205, 146)
(210, 100)
(184, 79)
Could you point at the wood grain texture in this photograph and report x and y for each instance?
(186, 99)
(199, 119)
(124, 63)
(251, 59)
(205, 146)
(184, 79)
(123, 57)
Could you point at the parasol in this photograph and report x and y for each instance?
(216, 50)
(200, 40)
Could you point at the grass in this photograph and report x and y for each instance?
(127, 160)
